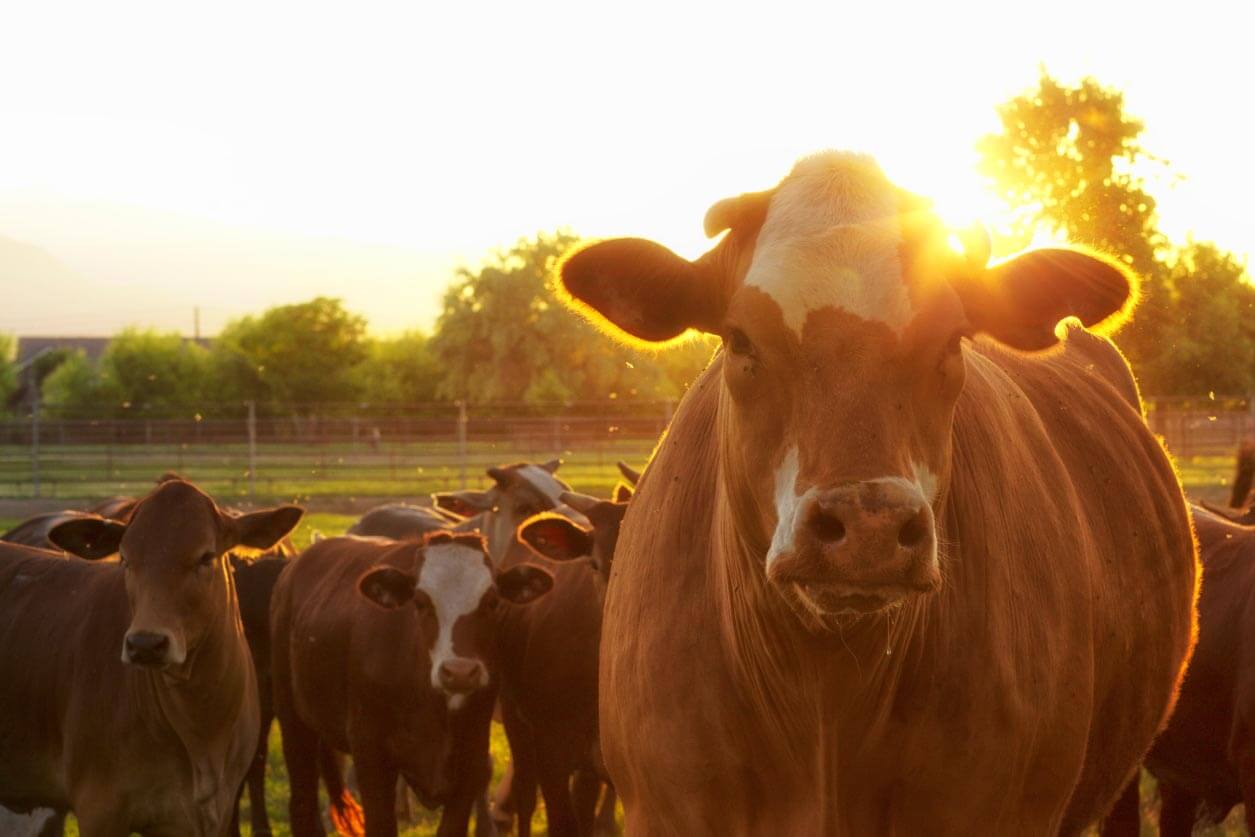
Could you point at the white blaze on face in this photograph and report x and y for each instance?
(455, 578)
(831, 239)
(788, 505)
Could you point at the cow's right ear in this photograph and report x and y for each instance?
(556, 537)
(88, 537)
(387, 587)
(465, 503)
(643, 289)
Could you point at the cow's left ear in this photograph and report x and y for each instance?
(524, 583)
(263, 529)
(555, 537)
(92, 538)
(1020, 301)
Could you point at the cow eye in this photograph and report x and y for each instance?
(208, 559)
(738, 343)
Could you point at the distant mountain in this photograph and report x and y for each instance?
(95, 269)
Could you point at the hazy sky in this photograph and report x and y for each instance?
(232, 156)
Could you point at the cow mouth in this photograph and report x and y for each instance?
(817, 600)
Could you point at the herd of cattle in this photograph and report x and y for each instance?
(907, 560)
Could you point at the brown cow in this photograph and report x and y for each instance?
(1205, 758)
(403, 522)
(126, 689)
(884, 575)
(386, 650)
(518, 492)
(549, 670)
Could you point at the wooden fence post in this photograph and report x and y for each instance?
(462, 422)
(35, 443)
(252, 451)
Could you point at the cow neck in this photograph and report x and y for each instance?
(204, 702)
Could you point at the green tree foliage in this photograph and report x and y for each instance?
(76, 388)
(1210, 340)
(502, 335)
(1068, 158)
(153, 373)
(400, 370)
(292, 356)
(8, 368)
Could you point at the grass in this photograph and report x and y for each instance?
(1205, 477)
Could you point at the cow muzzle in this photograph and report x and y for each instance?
(152, 649)
(458, 677)
(857, 548)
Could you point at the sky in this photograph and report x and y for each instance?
(161, 157)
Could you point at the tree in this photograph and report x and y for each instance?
(154, 373)
(400, 370)
(76, 388)
(8, 368)
(1209, 345)
(292, 356)
(1069, 158)
(502, 335)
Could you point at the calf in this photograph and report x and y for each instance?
(386, 650)
(549, 670)
(1205, 757)
(126, 690)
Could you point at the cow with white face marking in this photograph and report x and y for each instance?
(518, 492)
(892, 569)
(386, 650)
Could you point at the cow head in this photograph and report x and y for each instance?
(456, 592)
(845, 309)
(518, 492)
(559, 538)
(172, 555)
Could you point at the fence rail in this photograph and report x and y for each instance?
(407, 452)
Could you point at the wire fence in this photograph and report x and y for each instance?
(407, 451)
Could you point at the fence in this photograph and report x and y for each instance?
(349, 451)
(332, 451)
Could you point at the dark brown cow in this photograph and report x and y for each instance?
(549, 670)
(1205, 758)
(126, 689)
(887, 572)
(386, 650)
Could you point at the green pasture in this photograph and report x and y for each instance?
(301, 472)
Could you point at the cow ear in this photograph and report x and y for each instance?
(524, 583)
(387, 587)
(1021, 301)
(555, 537)
(642, 289)
(622, 492)
(464, 503)
(92, 538)
(263, 529)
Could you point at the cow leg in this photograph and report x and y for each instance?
(472, 787)
(485, 825)
(1178, 811)
(257, 775)
(377, 781)
(101, 819)
(555, 778)
(606, 824)
(300, 753)
(1125, 817)
(524, 790)
(585, 791)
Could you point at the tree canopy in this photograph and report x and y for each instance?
(1070, 159)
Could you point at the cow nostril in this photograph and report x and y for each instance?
(147, 646)
(913, 532)
(827, 527)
